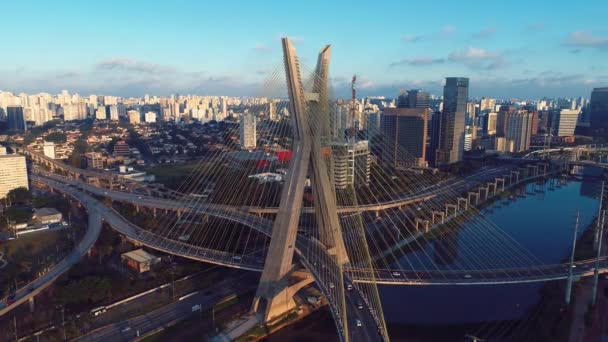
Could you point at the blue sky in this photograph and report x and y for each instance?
(519, 49)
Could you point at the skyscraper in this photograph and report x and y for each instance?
(413, 98)
(350, 164)
(451, 139)
(248, 132)
(565, 122)
(16, 120)
(518, 130)
(598, 109)
(404, 133)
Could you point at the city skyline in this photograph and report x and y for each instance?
(506, 54)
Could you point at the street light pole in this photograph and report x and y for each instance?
(15, 327)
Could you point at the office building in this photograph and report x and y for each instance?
(564, 122)
(451, 138)
(13, 173)
(248, 132)
(404, 135)
(16, 120)
(350, 164)
(413, 98)
(518, 130)
(134, 117)
(49, 149)
(434, 130)
(598, 110)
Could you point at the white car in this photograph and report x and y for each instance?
(396, 274)
(331, 285)
(349, 287)
(359, 324)
(468, 276)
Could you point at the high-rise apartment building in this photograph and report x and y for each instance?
(134, 116)
(100, 113)
(487, 105)
(16, 120)
(598, 110)
(13, 173)
(404, 135)
(150, 117)
(350, 164)
(248, 132)
(518, 130)
(451, 139)
(491, 123)
(564, 123)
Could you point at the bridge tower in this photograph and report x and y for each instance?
(274, 296)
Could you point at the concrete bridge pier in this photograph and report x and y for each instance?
(543, 168)
(425, 224)
(523, 172)
(466, 203)
(493, 186)
(440, 214)
(516, 173)
(473, 194)
(452, 206)
(485, 190)
(502, 182)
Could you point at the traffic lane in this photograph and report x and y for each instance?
(173, 311)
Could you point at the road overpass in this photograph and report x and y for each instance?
(29, 291)
(413, 277)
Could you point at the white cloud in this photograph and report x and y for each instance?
(586, 39)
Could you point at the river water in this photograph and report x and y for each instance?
(541, 222)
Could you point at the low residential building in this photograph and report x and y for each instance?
(47, 216)
(140, 260)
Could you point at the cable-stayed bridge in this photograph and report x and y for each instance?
(348, 240)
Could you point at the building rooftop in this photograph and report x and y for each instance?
(140, 255)
(45, 212)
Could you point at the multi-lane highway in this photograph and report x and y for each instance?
(193, 304)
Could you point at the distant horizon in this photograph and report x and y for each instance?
(346, 95)
(231, 48)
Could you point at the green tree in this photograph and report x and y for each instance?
(56, 137)
(19, 195)
(18, 215)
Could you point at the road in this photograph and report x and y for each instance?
(30, 290)
(178, 310)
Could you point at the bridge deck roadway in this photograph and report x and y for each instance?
(387, 276)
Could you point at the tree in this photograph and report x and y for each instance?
(56, 137)
(18, 215)
(19, 195)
